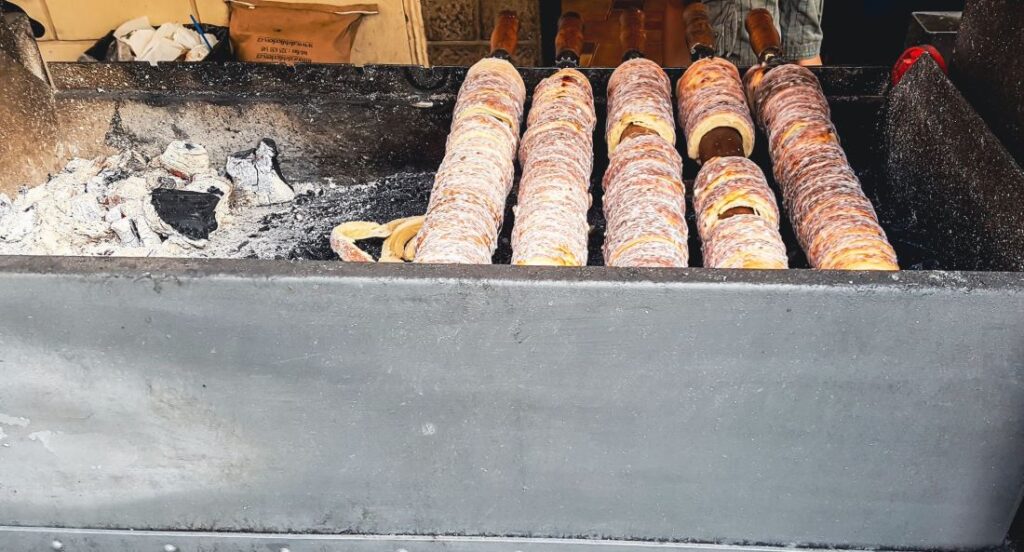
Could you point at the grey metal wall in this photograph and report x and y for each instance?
(266, 397)
(805, 407)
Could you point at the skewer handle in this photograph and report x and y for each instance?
(700, 37)
(569, 41)
(632, 33)
(764, 37)
(505, 35)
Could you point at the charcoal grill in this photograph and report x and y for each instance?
(315, 405)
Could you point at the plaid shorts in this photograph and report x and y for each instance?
(800, 22)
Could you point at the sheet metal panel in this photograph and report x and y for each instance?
(798, 407)
(950, 185)
(49, 539)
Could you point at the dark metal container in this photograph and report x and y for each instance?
(313, 405)
(936, 28)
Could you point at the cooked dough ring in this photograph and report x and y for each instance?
(645, 120)
(557, 155)
(467, 203)
(719, 120)
(833, 219)
(645, 205)
(710, 95)
(751, 82)
(492, 87)
(726, 183)
(747, 240)
(639, 93)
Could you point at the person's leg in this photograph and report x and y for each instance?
(800, 21)
(727, 18)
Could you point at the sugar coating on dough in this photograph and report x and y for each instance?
(709, 96)
(467, 202)
(645, 205)
(741, 240)
(833, 219)
(557, 155)
(639, 93)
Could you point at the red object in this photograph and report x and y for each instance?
(910, 56)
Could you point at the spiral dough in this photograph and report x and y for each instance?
(639, 93)
(557, 155)
(467, 202)
(645, 205)
(833, 219)
(745, 240)
(710, 96)
(644, 197)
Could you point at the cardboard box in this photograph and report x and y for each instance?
(395, 35)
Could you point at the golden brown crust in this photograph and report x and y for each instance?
(833, 219)
(724, 186)
(639, 93)
(467, 203)
(710, 96)
(645, 205)
(557, 155)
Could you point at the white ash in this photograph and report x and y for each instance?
(184, 159)
(72, 214)
(5, 205)
(256, 176)
(104, 207)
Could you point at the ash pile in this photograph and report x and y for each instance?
(175, 205)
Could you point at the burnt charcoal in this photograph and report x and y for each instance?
(303, 230)
(191, 213)
(109, 176)
(988, 68)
